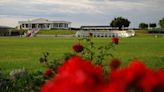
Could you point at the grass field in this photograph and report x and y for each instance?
(25, 52)
(56, 32)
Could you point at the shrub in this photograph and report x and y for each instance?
(156, 30)
(81, 75)
(21, 81)
(18, 31)
(84, 72)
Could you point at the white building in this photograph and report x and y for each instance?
(104, 31)
(42, 23)
(115, 33)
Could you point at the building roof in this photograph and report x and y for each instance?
(42, 20)
(5, 27)
(95, 26)
(99, 27)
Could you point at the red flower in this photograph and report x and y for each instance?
(124, 76)
(160, 77)
(48, 87)
(79, 75)
(149, 81)
(115, 40)
(116, 86)
(78, 48)
(115, 64)
(76, 75)
(138, 68)
(130, 75)
(48, 73)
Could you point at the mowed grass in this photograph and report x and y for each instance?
(56, 32)
(25, 52)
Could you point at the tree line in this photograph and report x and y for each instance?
(121, 22)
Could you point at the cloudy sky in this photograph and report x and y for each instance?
(81, 12)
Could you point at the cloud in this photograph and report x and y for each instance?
(75, 6)
(82, 12)
(12, 21)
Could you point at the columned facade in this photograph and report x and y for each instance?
(44, 24)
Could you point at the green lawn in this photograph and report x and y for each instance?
(56, 32)
(25, 52)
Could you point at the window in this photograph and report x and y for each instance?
(66, 25)
(55, 25)
(23, 25)
(33, 26)
(26, 25)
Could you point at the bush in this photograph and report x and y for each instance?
(156, 30)
(85, 72)
(18, 32)
(20, 80)
(80, 75)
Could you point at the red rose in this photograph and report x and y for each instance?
(48, 73)
(79, 75)
(115, 63)
(149, 81)
(160, 81)
(160, 76)
(116, 86)
(138, 68)
(115, 40)
(76, 75)
(78, 48)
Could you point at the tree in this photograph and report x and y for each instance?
(152, 25)
(143, 25)
(161, 23)
(120, 22)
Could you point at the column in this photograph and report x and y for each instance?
(45, 26)
(62, 25)
(57, 25)
(37, 26)
(51, 26)
(69, 25)
(30, 26)
(25, 26)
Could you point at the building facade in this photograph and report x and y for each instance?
(5, 30)
(105, 27)
(42, 23)
(115, 33)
